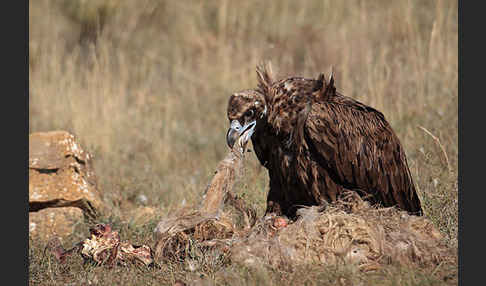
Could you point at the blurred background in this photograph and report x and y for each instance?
(144, 85)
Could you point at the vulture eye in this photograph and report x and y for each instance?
(249, 113)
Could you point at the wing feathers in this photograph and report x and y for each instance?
(370, 159)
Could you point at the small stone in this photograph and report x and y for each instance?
(142, 199)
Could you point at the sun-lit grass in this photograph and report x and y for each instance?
(144, 87)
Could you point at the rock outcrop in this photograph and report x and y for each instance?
(62, 184)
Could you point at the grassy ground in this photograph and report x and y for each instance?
(144, 86)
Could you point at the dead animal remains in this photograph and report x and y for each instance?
(209, 225)
(104, 247)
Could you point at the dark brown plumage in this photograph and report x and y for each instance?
(316, 143)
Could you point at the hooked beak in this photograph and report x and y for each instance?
(236, 131)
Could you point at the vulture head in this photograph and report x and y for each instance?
(245, 110)
(248, 108)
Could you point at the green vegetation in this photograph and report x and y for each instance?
(144, 86)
